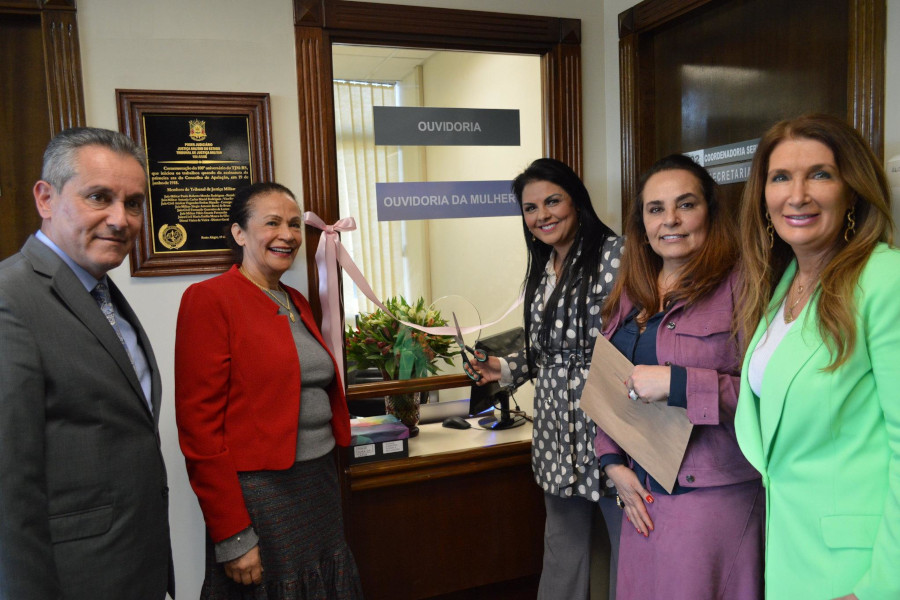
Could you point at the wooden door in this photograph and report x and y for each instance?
(40, 95)
(697, 74)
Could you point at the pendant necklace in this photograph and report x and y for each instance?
(271, 293)
(789, 310)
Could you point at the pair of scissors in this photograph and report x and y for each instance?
(480, 355)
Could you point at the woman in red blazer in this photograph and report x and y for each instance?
(260, 406)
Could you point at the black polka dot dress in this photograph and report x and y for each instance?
(562, 449)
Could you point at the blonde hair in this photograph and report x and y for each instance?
(762, 267)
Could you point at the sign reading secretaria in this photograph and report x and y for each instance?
(421, 126)
(418, 200)
(732, 173)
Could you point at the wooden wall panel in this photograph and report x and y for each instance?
(697, 73)
(317, 142)
(629, 109)
(63, 64)
(446, 525)
(561, 69)
(728, 74)
(866, 62)
(418, 22)
(40, 94)
(24, 127)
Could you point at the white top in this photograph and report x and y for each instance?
(766, 347)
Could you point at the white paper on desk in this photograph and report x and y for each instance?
(655, 435)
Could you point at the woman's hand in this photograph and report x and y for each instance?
(489, 370)
(245, 569)
(848, 597)
(633, 495)
(650, 382)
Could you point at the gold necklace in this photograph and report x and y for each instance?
(789, 310)
(271, 293)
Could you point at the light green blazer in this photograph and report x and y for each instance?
(828, 447)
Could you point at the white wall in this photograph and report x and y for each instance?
(248, 46)
(200, 45)
(452, 80)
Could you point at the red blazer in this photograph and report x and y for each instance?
(237, 392)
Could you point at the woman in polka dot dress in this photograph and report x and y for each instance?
(670, 313)
(573, 258)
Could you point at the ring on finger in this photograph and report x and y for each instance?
(633, 395)
(619, 502)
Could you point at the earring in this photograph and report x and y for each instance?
(533, 239)
(770, 230)
(851, 224)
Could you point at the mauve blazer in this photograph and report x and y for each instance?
(237, 392)
(699, 339)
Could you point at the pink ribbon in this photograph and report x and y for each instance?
(329, 254)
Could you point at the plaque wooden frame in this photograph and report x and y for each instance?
(132, 105)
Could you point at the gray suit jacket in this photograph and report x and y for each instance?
(83, 495)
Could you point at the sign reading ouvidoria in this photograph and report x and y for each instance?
(425, 126)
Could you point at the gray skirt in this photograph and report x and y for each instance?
(297, 515)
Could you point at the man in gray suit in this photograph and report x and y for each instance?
(83, 496)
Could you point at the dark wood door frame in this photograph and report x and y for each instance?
(41, 96)
(319, 23)
(62, 58)
(637, 25)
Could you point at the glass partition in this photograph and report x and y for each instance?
(325, 28)
(471, 266)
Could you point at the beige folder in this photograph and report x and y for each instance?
(655, 435)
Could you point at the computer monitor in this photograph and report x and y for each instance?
(491, 396)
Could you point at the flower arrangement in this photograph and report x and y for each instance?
(399, 352)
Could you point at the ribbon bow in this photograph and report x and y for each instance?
(329, 254)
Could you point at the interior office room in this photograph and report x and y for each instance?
(250, 46)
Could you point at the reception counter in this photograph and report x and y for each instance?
(461, 517)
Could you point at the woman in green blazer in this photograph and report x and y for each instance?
(819, 408)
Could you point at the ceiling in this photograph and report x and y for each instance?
(375, 63)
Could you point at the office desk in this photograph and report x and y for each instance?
(461, 517)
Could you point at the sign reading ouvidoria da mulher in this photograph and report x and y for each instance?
(421, 126)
